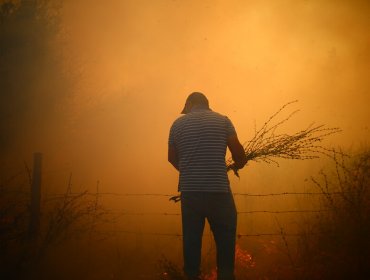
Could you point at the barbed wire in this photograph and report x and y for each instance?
(283, 211)
(238, 235)
(59, 195)
(289, 193)
(54, 197)
(51, 197)
(139, 233)
(123, 213)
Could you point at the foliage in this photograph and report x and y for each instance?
(33, 83)
(62, 219)
(338, 246)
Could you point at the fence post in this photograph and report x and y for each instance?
(34, 225)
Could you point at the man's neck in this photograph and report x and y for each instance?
(199, 107)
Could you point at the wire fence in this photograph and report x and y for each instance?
(50, 198)
(120, 213)
(123, 213)
(240, 235)
(57, 196)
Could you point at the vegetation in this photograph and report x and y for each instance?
(63, 219)
(33, 80)
(333, 244)
(337, 245)
(267, 146)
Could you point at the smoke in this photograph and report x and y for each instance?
(143, 58)
(96, 85)
(34, 87)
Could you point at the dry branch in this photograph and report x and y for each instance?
(267, 146)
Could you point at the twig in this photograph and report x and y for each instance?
(267, 146)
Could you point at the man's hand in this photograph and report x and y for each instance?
(237, 152)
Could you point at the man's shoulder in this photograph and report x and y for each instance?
(178, 122)
(218, 114)
(179, 119)
(193, 116)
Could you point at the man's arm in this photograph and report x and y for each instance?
(172, 156)
(237, 151)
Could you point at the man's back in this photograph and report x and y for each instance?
(197, 147)
(200, 138)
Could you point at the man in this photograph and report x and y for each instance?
(197, 147)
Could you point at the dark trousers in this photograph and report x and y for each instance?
(219, 209)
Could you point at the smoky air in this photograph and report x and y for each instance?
(89, 91)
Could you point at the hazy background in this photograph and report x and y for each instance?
(141, 59)
(133, 63)
(123, 69)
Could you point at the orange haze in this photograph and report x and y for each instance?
(140, 59)
(134, 63)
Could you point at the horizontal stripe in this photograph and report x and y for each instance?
(200, 140)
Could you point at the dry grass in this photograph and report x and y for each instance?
(63, 219)
(338, 246)
(268, 146)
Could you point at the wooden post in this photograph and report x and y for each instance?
(34, 225)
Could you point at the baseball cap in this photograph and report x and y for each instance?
(195, 98)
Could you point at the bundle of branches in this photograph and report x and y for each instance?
(267, 146)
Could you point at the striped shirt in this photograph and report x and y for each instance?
(200, 141)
